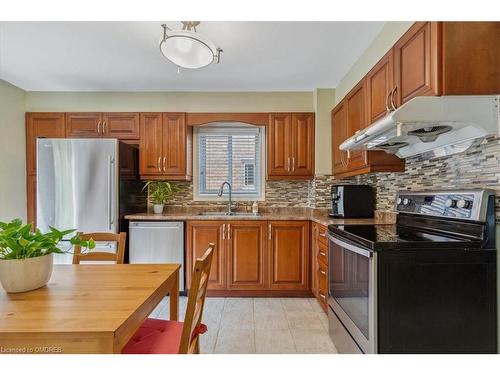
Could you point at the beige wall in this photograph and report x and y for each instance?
(170, 101)
(12, 153)
(389, 34)
(324, 101)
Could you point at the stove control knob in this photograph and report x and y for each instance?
(462, 203)
(400, 200)
(406, 201)
(451, 203)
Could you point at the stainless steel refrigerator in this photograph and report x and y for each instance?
(87, 185)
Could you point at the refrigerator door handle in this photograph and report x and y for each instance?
(110, 192)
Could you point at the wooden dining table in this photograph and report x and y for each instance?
(86, 308)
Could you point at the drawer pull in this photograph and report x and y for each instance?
(322, 296)
(322, 272)
(322, 234)
(322, 253)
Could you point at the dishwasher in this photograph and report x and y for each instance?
(157, 242)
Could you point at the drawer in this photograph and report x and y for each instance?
(322, 254)
(322, 235)
(322, 298)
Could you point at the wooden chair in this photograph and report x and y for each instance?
(94, 256)
(157, 336)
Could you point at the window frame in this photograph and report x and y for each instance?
(236, 197)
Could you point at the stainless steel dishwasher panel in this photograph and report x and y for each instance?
(157, 242)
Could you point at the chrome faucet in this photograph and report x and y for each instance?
(221, 191)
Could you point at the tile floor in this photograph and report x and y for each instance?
(260, 325)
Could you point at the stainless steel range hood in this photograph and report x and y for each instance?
(444, 125)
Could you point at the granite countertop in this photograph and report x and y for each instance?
(282, 213)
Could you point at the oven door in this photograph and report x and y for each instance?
(352, 291)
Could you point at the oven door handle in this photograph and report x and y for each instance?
(350, 247)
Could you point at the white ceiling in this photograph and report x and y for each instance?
(124, 56)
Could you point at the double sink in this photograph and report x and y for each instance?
(225, 213)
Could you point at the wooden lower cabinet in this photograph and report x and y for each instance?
(199, 235)
(319, 258)
(246, 255)
(289, 255)
(253, 257)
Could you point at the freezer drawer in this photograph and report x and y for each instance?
(157, 242)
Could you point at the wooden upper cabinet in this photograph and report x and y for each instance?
(150, 144)
(84, 125)
(279, 144)
(339, 135)
(290, 146)
(356, 120)
(165, 146)
(379, 83)
(121, 125)
(417, 62)
(199, 235)
(289, 255)
(174, 144)
(31, 199)
(246, 255)
(303, 144)
(41, 125)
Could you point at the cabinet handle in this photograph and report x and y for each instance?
(164, 164)
(322, 272)
(288, 165)
(322, 296)
(229, 231)
(387, 108)
(104, 127)
(322, 234)
(392, 98)
(223, 231)
(99, 128)
(293, 163)
(269, 232)
(159, 164)
(322, 253)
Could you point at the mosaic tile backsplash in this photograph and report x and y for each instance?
(479, 167)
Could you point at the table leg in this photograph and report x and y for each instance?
(174, 298)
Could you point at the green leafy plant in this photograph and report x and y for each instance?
(159, 192)
(17, 241)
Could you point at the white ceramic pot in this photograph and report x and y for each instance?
(158, 208)
(21, 275)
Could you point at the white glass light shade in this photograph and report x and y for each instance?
(188, 49)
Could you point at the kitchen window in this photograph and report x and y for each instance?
(229, 152)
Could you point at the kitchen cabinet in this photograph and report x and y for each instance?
(319, 258)
(246, 255)
(38, 125)
(416, 63)
(290, 146)
(355, 103)
(339, 135)
(289, 255)
(120, 125)
(198, 235)
(379, 84)
(165, 146)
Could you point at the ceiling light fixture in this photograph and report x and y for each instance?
(188, 49)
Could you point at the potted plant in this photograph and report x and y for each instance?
(26, 257)
(159, 192)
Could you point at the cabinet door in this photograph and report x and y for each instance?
(356, 120)
(84, 125)
(31, 199)
(174, 144)
(289, 255)
(379, 82)
(416, 62)
(199, 235)
(339, 135)
(246, 255)
(302, 128)
(41, 125)
(150, 145)
(121, 125)
(279, 144)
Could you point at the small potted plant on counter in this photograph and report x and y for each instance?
(26, 257)
(159, 192)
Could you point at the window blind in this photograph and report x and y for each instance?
(230, 154)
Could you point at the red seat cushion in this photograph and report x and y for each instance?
(157, 336)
